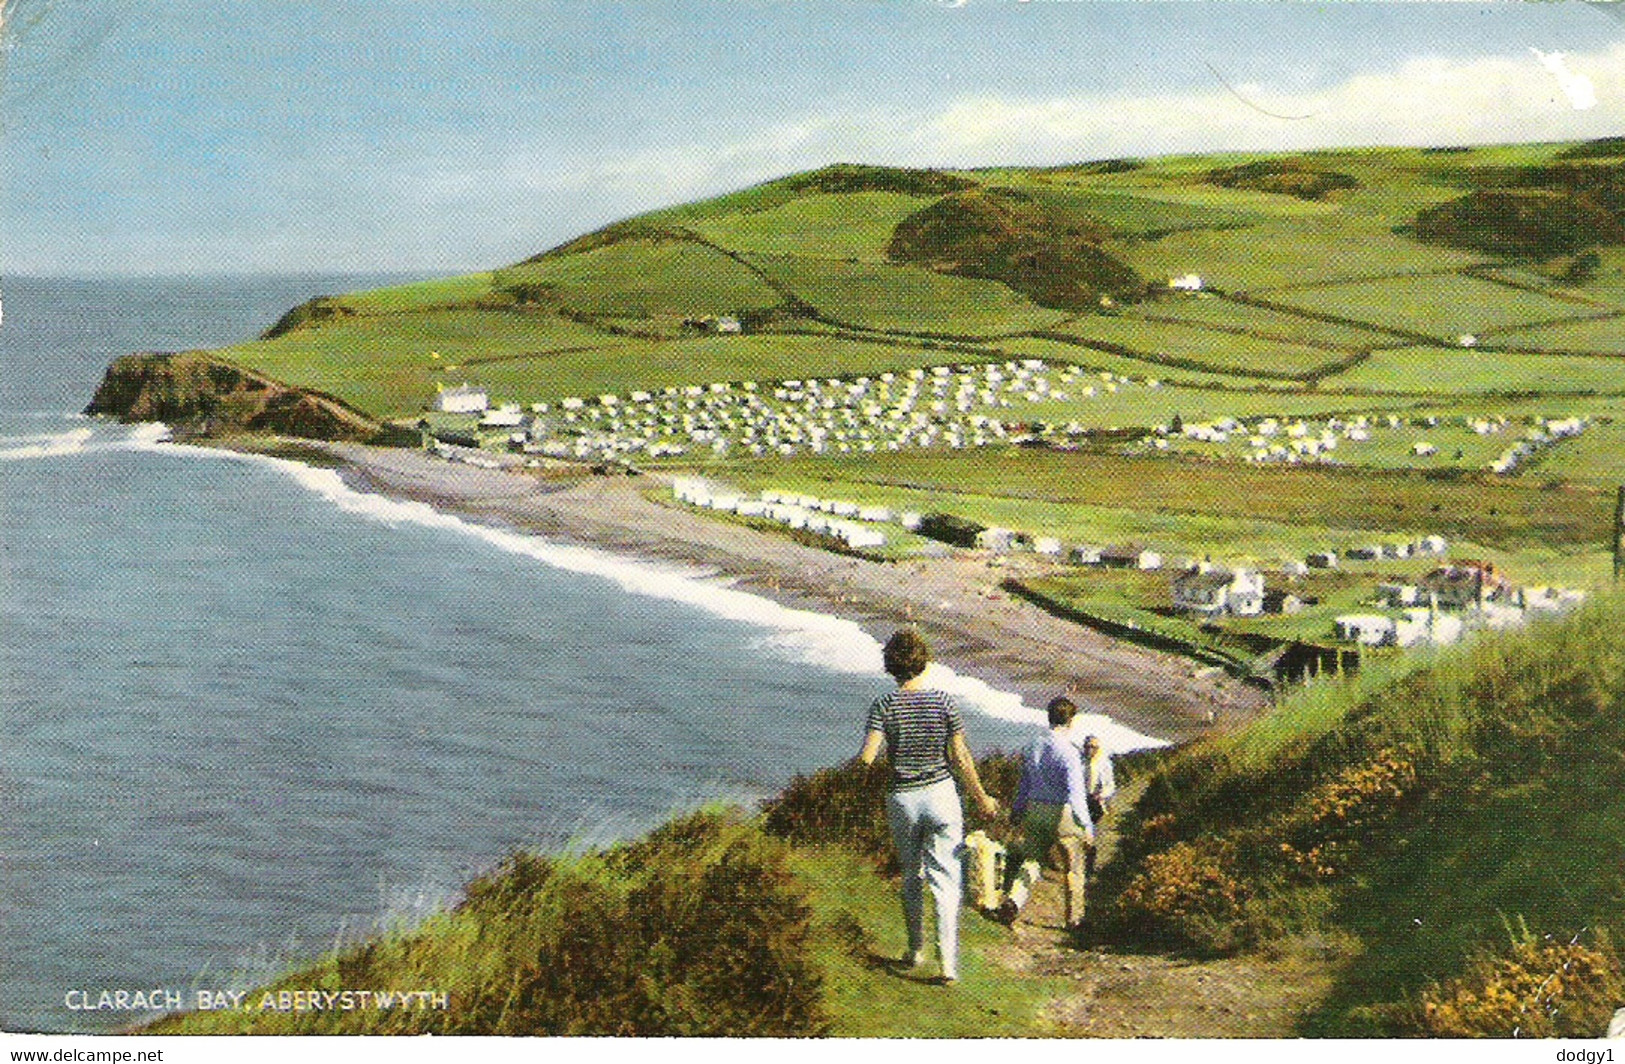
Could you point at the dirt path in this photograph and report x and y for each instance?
(1154, 995)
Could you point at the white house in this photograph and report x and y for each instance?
(1186, 282)
(463, 399)
(1216, 591)
(1048, 546)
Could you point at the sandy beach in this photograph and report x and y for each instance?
(974, 626)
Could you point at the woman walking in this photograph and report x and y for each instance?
(922, 732)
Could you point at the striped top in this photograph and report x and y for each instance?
(917, 726)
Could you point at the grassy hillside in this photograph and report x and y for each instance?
(1430, 848)
(1450, 835)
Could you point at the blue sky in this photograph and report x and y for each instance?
(206, 137)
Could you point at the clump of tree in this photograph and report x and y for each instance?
(1055, 259)
(310, 312)
(1539, 212)
(850, 177)
(1287, 177)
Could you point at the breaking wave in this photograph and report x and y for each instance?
(819, 639)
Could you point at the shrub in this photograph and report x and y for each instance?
(1003, 235)
(1537, 989)
(1287, 177)
(1187, 894)
(946, 528)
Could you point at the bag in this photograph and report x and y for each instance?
(984, 862)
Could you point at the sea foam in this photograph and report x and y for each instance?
(805, 636)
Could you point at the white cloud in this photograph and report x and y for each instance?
(1427, 100)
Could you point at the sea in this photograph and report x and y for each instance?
(249, 715)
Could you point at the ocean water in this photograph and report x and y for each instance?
(247, 713)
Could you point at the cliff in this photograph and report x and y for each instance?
(201, 395)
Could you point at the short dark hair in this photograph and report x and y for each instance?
(1061, 711)
(906, 654)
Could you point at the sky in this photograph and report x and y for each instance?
(200, 137)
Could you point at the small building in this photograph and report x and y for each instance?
(1368, 629)
(1368, 553)
(1398, 594)
(1048, 546)
(1081, 555)
(1324, 559)
(1186, 282)
(1467, 586)
(503, 417)
(1130, 558)
(1434, 545)
(997, 540)
(463, 399)
(1279, 600)
(1292, 570)
(1214, 591)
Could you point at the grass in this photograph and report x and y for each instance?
(1443, 306)
(1201, 348)
(1605, 336)
(384, 365)
(1317, 243)
(1503, 810)
(851, 225)
(1263, 322)
(1459, 372)
(1130, 214)
(907, 298)
(647, 279)
(1501, 514)
(434, 294)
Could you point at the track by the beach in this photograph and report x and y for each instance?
(974, 626)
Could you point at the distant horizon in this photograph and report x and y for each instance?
(409, 274)
(190, 139)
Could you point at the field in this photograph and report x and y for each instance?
(907, 299)
(1313, 305)
(1195, 347)
(1283, 253)
(641, 279)
(1504, 514)
(1605, 336)
(1262, 322)
(854, 225)
(1444, 306)
(386, 366)
(1453, 371)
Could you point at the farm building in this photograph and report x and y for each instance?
(1187, 282)
(1468, 586)
(1216, 591)
(1324, 559)
(463, 399)
(1085, 555)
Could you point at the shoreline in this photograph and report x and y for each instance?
(975, 628)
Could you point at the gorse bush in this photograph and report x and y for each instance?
(1184, 893)
(1402, 816)
(1535, 989)
(699, 928)
(847, 805)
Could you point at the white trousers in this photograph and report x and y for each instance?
(928, 829)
